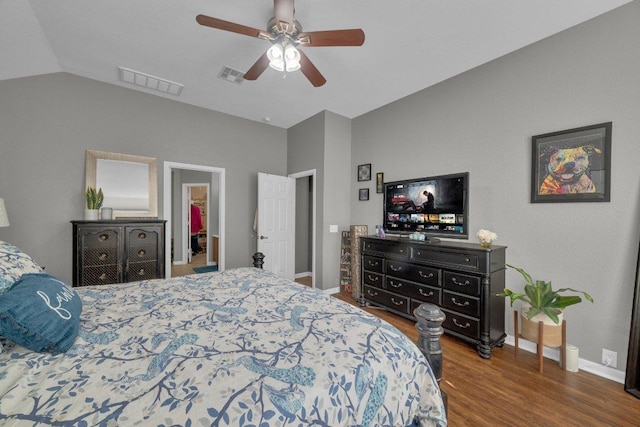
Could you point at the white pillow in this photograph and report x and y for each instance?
(13, 264)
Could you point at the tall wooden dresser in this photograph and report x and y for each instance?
(117, 251)
(462, 278)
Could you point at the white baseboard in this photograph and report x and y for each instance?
(585, 365)
(179, 262)
(332, 291)
(305, 274)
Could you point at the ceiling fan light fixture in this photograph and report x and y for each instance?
(276, 57)
(292, 58)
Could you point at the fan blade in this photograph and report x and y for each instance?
(208, 21)
(354, 37)
(258, 68)
(310, 71)
(283, 10)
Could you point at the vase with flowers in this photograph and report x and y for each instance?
(486, 238)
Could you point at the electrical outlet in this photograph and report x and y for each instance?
(609, 358)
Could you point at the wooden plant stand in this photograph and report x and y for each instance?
(556, 336)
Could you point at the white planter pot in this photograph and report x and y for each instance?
(530, 328)
(91, 214)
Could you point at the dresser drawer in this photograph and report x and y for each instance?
(99, 275)
(141, 236)
(413, 272)
(462, 283)
(396, 302)
(462, 324)
(371, 263)
(461, 303)
(386, 248)
(143, 253)
(142, 271)
(373, 279)
(451, 258)
(413, 290)
(103, 238)
(99, 256)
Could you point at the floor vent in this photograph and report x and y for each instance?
(150, 82)
(231, 75)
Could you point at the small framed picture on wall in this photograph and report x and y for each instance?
(379, 182)
(363, 194)
(364, 172)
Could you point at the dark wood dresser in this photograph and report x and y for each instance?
(461, 278)
(117, 251)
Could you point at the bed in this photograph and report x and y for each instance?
(236, 348)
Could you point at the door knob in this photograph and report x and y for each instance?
(263, 237)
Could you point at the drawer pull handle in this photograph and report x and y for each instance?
(373, 294)
(401, 251)
(141, 272)
(103, 237)
(459, 325)
(394, 284)
(142, 236)
(467, 260)
(395, 268)
(425, 294)
(141, 252)
(103, 256)
(373, 278)
(426, 276)
(459, 304)
(393, 300)
(466, 282)
(373, 264)
(103, 277)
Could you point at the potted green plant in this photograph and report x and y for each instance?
(540, 297)
(94, 202)
(540, 303)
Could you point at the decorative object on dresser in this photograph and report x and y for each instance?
(94, 200)
(486, 238)
(117, 251)
(463, 279)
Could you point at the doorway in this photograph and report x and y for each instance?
(305, 232)
(196, 230)
(174, 176)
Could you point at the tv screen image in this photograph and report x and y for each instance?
(435, 206)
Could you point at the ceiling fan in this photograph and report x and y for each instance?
(285, 34)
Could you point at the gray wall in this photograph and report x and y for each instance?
(323, 142)
(47, 122)
(482, 122)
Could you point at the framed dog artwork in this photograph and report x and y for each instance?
(572, 165)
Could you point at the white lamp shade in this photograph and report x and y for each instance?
(280, 58)
(4, 218)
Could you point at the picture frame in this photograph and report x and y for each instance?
(379, 182)
(572, 165)
(363, 194)
(364, 172)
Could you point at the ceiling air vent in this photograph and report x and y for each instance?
(231, 75)
(150, 82)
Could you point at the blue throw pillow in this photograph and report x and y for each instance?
(40, 313)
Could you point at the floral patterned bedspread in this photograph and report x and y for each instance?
(237, 348)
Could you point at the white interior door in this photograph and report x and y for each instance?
(276, 223)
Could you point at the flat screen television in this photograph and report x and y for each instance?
(435, 206)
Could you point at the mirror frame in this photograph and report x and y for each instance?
(92, 157)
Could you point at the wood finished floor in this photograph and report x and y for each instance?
(509, 391)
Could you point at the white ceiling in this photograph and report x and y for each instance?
(409, 45)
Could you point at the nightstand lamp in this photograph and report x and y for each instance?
(4, 218)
